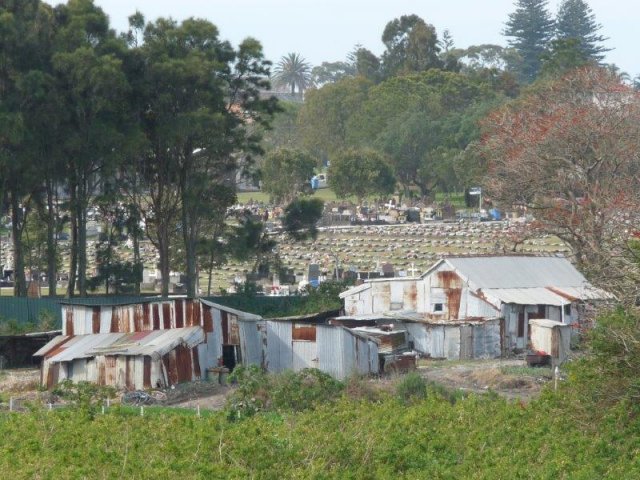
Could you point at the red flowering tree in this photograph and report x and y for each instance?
(569, 150)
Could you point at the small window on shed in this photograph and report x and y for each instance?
(438, 307)
(567, 309)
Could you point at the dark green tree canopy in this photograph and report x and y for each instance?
(286, 172)
(564, 55)
(530, 29)
(361, 173)
(411, 46)
(576, 20)
(367, 64)
(331, 72)
(301, 217)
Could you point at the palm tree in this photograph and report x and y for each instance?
(293, 71)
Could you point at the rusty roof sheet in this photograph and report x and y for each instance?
(154, 343)
(50, 345)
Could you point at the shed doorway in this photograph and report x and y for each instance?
(230, 356)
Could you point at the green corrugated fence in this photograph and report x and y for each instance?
(27, 310)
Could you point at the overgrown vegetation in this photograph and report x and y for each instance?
(288, 392)
(312, 431)
(86, 397)
(324, 298)
(46, 323)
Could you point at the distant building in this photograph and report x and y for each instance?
(464, 290)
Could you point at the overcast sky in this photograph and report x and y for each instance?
(326, 30)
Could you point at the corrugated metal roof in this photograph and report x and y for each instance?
(241, 315)
(525, 296)
(586, 292)
(518, 271)
(153, 343)
(50, 345)
(544, 322)
(114, 301)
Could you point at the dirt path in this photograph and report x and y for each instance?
(215, 399)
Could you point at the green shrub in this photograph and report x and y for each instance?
(46, 321)
(411, 387)
(86, 396)
(258, 391)
(301, 390)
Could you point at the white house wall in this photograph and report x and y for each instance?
(381, 296)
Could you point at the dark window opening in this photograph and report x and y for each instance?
(521, 325)
(438, 307)
(567, 309)
(541, 310)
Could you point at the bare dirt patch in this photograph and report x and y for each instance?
(508, 377)
(207, 395)
(20, 380)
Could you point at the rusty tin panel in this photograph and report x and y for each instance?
(304, 332)
(147, 323)
(137, 318)
(53, 374)
(156, 316)
(448, 279)
(166, 315)
(184, 364)
(454, 296)
(146, 376)
(207, 318)
(69, 322)
(234, 330)
(188, 313)
(95, 320)
(179, 313)
(102, 376)
(411, 296)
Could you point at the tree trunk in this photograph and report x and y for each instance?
(17, 226)
(73, 264)
(188, 232)
(81, 214)
(136, 261)
(210, 273)
(163, 251)
(52, 244)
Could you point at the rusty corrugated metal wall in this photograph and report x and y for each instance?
(143, 317)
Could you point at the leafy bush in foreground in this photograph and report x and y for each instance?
(478, 437)
(288, 391)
